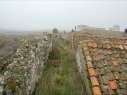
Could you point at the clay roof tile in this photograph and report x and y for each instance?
(89, 64)
(96, 91)
(125, 46)
(92, 72)
(112, 84)
(92, 44)
(94, 81)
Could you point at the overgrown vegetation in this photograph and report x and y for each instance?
(62, 79)
(54, 54)
(11, 83)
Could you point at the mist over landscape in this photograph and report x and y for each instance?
(45, 15)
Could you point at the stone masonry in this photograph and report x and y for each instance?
(22, 74)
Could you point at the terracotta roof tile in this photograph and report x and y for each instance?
(88, 58)
(94, 81)
(89, 65)
(123, 76)
(112, 84)
(92, 44)
(125, 46)
(96, 91)
(86, 53)
(106, 65)
(121, 47)
(100, 45)
(91, 72)
(118, 46)
(85, 48)
(98, 57)
(109, 51)
(115, 62)
(108, 46)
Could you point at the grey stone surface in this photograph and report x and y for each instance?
(26, 65)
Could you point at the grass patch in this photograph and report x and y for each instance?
(62, 79)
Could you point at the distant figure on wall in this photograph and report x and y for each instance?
(75, 28)
(125, 30)
(72, 30)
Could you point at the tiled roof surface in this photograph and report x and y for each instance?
(76, 37)
(106, 62)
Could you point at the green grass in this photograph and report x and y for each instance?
(63, 78)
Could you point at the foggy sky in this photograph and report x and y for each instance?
(38, 15)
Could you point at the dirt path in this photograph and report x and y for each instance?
(63, 78)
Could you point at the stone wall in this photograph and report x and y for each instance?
(23, 73)
(83, 71)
